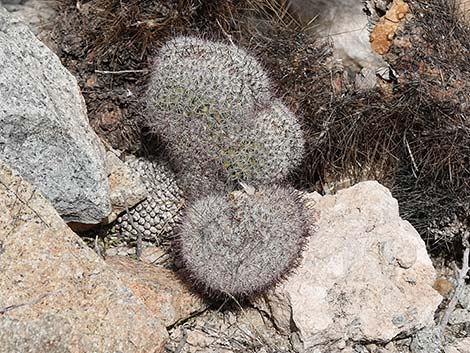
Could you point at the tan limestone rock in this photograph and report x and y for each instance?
(365, 276)
(126, 187)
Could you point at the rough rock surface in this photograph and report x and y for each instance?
(464, 299)
(55, 292)
(163, 293)
(460, 346)
(35, 13)
(45, 133)
(428, 340)
(46, 334)
(126, 187)
(365, 276)
(345, 22)
(381, 37)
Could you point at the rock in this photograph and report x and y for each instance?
(346, 25)
(451, 349)
(461, 345)
(365, 275)
(460, 316)
(46, 334)
(279, 307)
(11, 2)
(383, 33)
(389, 348)
(156, 255)
(427, 340)
(365, 79)
(164, 294)
(45, 133)
(464, 299)
(121, 250)
(126, 187)
(35, 13)
(54, 289)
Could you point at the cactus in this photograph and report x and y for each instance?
(194, 77)
(212, 104)
(257, 150)
(241, 244)
(156, 216)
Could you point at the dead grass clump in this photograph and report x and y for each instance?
(433, 187)
(114, 29)
(124, 29)
(412, 135)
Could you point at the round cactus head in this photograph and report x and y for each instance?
(258, 148)
(272, 148)
(194, 77)
(241, 244)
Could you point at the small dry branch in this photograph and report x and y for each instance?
(120, 72)
(15, 306)
(461, 275)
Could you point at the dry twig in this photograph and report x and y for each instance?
(120, 72)
(461, 275)
(15, 306)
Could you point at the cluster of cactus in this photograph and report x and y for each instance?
(213, 105)
(232, 141)
(156, 216)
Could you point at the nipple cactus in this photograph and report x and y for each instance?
(257, 149)
(240, 244)
(213, 106)
(194, 77)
